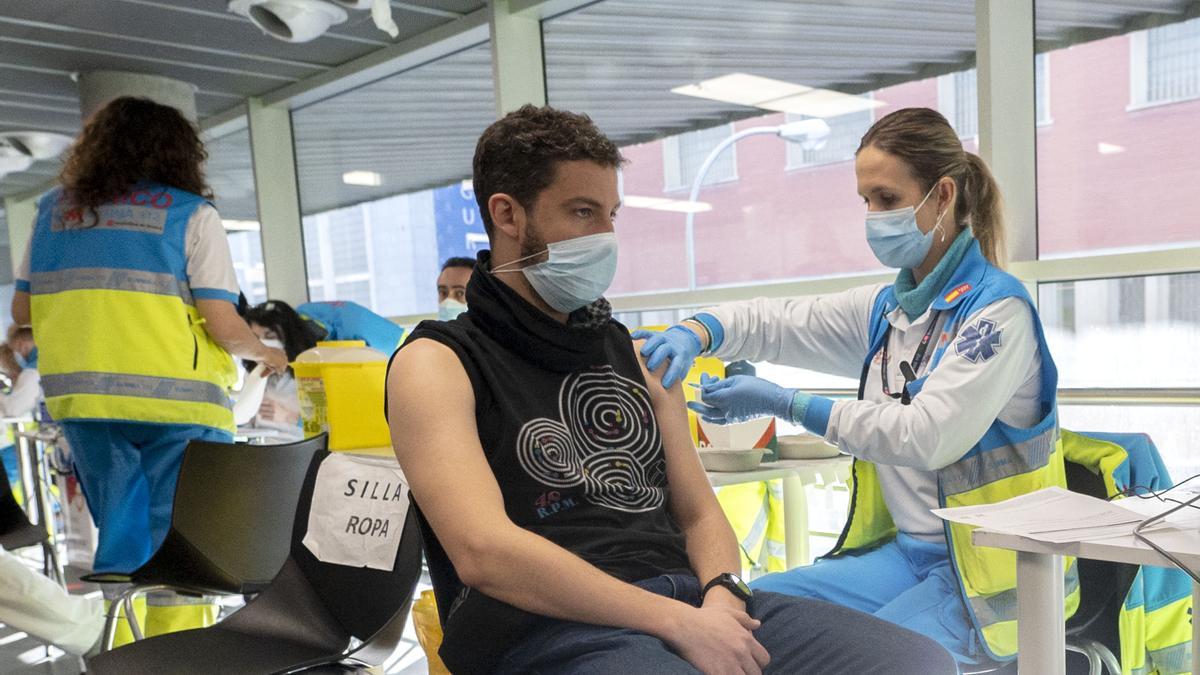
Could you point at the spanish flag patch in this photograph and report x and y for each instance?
(957, 292)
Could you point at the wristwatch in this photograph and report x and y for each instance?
(731, 582)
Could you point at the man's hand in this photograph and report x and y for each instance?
(271, 411)
(718, 640)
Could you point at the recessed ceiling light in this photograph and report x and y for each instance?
(240, 225)
(364, 178)
(664, 204)
(1109, 148)
(777, 95)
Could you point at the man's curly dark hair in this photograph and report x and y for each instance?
(128, 141)
(518, 154)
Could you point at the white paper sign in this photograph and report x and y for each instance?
(358, 510)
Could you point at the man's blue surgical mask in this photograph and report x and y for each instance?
(577, 273)
(21, 360)
(895, 237)
(449, 309)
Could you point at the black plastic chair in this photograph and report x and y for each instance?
(309, 617)
(1093, 631)
(230, 525)
(16, 530)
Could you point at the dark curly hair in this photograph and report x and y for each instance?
(296, 333)
(518, 154)
(128, 141)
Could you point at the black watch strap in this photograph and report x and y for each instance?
(731, 582)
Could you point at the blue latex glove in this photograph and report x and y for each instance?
(742, 398)
(678, 344)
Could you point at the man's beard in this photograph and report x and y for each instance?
(532, 245)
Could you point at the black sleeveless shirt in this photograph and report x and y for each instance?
(567, 426)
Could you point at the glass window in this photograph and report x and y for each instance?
(382, 184)
(1127, 332)
(1136, 332)
(230, 173)
(958, 96)
(845, 134)
(683, 155)
(648, 71)
(1123, 141)
(1172, 63)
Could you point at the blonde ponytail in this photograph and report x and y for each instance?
(981, 206)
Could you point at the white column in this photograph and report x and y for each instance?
(19, 212)
(274, 161)
(1007, 113)
(98, 87)
(518, 72)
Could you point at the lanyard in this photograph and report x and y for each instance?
(907, 369)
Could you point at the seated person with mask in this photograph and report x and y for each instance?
(569, 525)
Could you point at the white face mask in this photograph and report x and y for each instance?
(895, 238)
(578, 272)
(449, 309)
(273, 342)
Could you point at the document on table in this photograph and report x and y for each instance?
(1053, 514)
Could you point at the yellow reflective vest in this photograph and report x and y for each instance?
(118, 332)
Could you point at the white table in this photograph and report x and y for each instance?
(795, 473)
(1042, 635)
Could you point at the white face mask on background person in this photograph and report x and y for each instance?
(577, 274)
(449, 309)
(895, 238)
(273, 342)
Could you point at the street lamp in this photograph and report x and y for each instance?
(811, 134)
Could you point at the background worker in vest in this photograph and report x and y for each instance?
(18, 362)
(344, 320)
(955, 378)
(276, 404)
(129, 284)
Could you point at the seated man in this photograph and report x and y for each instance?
(570, 526)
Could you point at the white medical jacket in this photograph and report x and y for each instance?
(908, 443)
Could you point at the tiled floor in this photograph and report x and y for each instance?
(21, 654)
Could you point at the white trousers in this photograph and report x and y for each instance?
(34, 604)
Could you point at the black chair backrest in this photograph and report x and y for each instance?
(369, 604)
(16, 531)
(232, 521)
(1102, 584)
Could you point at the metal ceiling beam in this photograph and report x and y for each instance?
(469, 31)
(421, 9)
(161, 43)
(150, 59)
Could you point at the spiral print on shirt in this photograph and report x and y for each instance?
(606, 439)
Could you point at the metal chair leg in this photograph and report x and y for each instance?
(1093, 659)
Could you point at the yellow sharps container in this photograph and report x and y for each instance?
(340, 384)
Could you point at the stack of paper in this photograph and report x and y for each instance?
(1053, 515)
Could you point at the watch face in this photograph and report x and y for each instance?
(741, 586)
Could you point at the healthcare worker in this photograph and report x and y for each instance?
(130, 287)
(345, 320)
(956, 396)
(278, 406)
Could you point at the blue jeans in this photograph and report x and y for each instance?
(907, 581)
(128, 472)
(800, 634)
